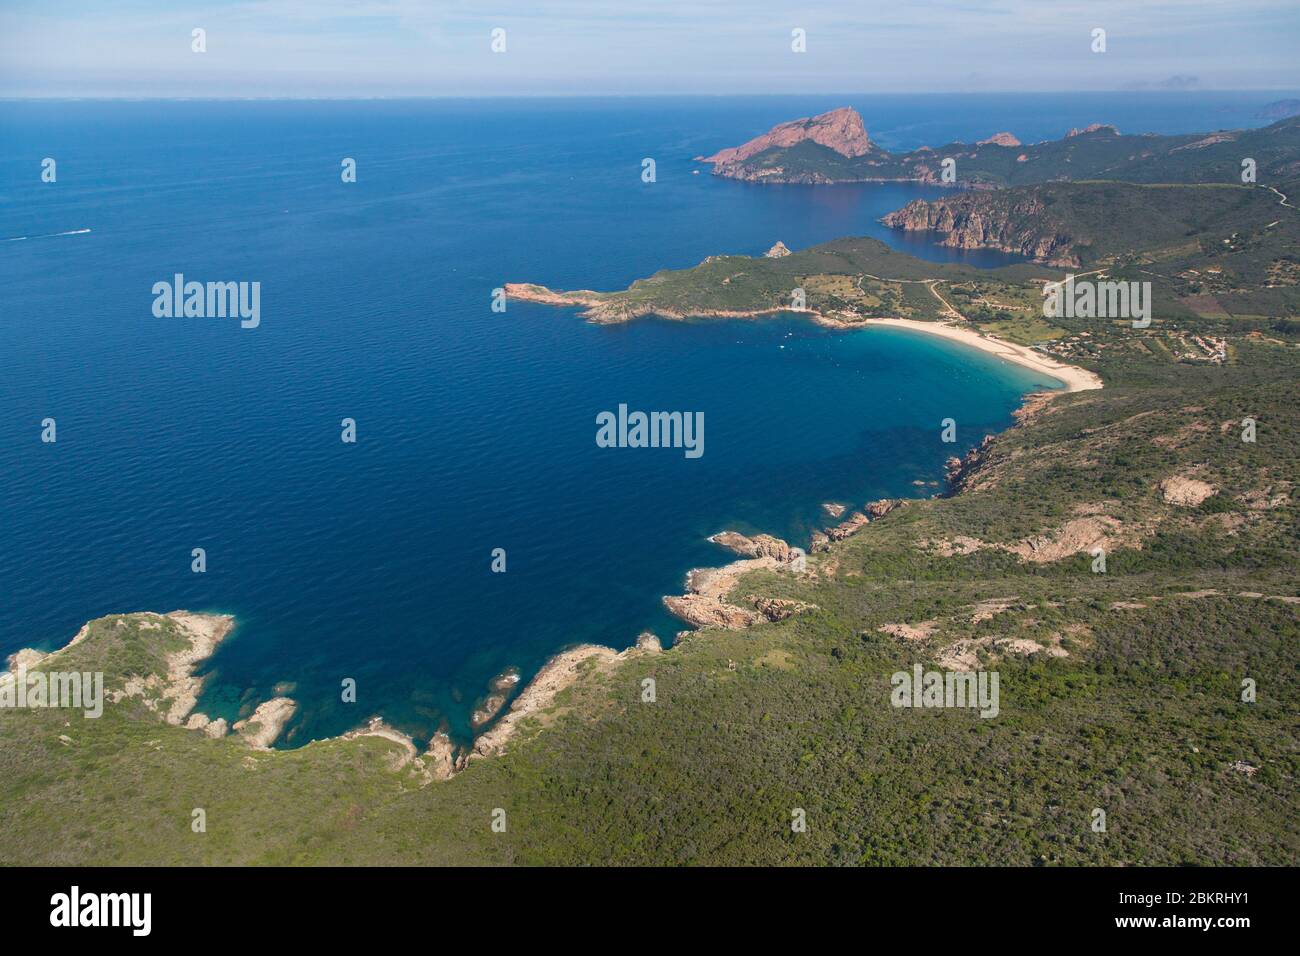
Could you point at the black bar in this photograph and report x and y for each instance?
(368, 904)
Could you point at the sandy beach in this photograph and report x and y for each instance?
(1076, 379)
(600, 310)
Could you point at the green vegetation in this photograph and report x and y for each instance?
(849, 279)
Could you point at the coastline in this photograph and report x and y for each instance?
(172, 697)
(703, 606)
(706, 590)
(601, 312)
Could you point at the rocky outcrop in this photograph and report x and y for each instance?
(778, 251)
(958, 471)
(778, 609)
(1000, 139)
(915, 633)
(213, 728)
(1075, 536)
(498, 693)
(182, 688)
(173, 695)
(599, 308)
(409, 754)
(705, 604)
(855, 522)
(1185, 490)
(263, 726)
(821, 540)
(440, 758)
(758, 546)
(704, 612)
(878, 509)
(26, 659)
(840, 130)
(559, 672)
(1105, 128)
(982, 220)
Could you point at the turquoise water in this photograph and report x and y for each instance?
(475, 429)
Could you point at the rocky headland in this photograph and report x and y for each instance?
(840, 130)
(983, 220)
(850, 154)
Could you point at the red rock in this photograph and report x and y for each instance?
(840, 130)
(1000, 139)
(1093, 128)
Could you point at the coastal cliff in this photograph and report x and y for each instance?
(841, 131)
(989, 221)
(1084, 224)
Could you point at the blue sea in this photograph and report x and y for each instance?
(475, 429)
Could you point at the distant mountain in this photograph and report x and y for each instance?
(835, 147)
(1280, 109)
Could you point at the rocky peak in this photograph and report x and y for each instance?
(777, 251)
(840, 129)
(1000, 139)
(1094, 128)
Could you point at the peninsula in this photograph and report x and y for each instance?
(835, 147)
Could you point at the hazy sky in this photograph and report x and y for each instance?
(442, 47)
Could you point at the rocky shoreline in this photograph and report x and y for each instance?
(559, 673)
(704, 605)
(172, 697)
(599, 310)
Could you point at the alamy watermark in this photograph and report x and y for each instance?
(130, 910)
(651, 430)
(1089, 299)
(72, 689)
(212, 300)
(921, 688)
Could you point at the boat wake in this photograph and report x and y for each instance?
(48, 235)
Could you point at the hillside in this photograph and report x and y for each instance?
(1083, 224)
